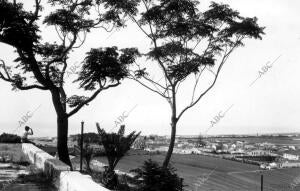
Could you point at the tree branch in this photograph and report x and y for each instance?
(146, 86)
(196, 83)
(142, 29)
(36, 12)
(31, 61)
(90, 99)
(154, 83)
(9, 79)
(60, 58)
(153, 38)
(211, 86)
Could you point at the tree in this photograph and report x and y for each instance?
(116, 146)
(187, 43)
(44, 65)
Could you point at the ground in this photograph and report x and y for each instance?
(208, 173)
(13, 151)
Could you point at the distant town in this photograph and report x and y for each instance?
(270, 151)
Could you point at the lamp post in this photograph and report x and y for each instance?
(261, 182)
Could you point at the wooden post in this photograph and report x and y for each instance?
(261, 182)
(81, 145)
(181, 181)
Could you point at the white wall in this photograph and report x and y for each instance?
(65, 180)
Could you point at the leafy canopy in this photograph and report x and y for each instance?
(101, 65)
(177, 27)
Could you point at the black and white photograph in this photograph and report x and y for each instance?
(149, 95)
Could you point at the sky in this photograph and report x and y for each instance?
(244, 102)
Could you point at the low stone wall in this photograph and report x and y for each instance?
(75, 181)
(65, 180)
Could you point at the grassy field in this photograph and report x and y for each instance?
(14, 151)
(214, 174)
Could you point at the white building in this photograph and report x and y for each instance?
(259, 153)
(290, 156)
(292, 148)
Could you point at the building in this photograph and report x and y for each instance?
(290, 156)
(239, 144)
(289, 164)
(249, 147)
(292, 148)
(259, 153)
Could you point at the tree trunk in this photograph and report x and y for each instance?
(171, 145)
(173, 129)
(62, 127)
(62, 140)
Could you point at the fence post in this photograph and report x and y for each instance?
(261, 182)
(181, 181)
(81, 145)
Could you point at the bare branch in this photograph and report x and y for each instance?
(29, 87)
(196, 83)
(146, 86)
(142, 29)
(103, 27)
(210, 70)
(36, 12)
(198, 42)
(82, 40)
(91, 99)
(154, 82)
(152, 37)
(60, 58)
(63, 37)
(212, 85)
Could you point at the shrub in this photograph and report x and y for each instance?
(153, 177)
(116, 145)
(9, 138)
(93, 138)
(87, 152)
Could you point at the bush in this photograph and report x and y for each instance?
(116, 145)
(93, 138)
(153, 177)
(115, 182)
(87, 153)
(9, 138)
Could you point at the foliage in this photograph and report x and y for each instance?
(119, 182)
(9, 138)
(140, 143)
(116, 146)
(90, 137)
(110, 179)
(178, 24)
(102, 65)
(185, 45)
(156, 178)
